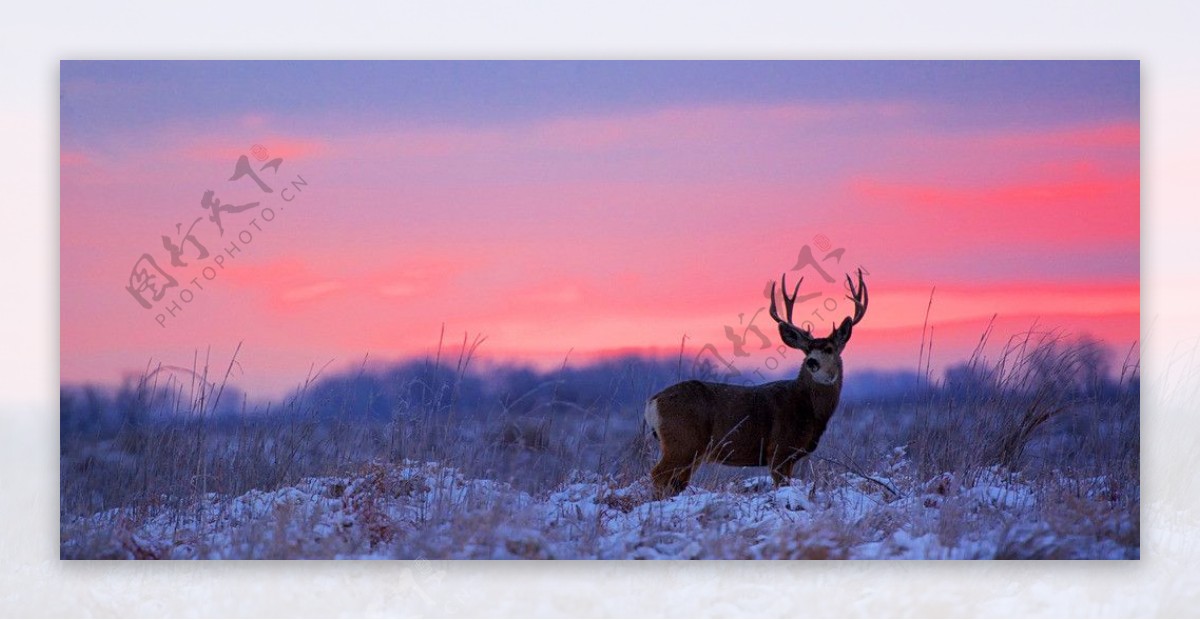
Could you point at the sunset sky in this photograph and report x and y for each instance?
(588, 208)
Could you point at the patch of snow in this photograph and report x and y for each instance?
(419, 510)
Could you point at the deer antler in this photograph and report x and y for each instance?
(792, 335)
(788, 302)
(858, 296)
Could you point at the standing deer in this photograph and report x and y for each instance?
(774, 424)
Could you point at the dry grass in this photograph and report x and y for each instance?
(1035, 411)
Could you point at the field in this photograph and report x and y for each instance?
(1031, 453)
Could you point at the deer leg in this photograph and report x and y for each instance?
(671, 476)
(781, 472)
(682, 452)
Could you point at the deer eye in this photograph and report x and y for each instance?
(812, 364)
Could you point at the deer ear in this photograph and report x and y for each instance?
(842, 335)
(794, 337)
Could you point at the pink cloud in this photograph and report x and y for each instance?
(1119, 135)
(1018, 195)
(1085, 205)
(71, 158)
(287, 285)
(224, 149)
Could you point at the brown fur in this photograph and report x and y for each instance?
(775, 424)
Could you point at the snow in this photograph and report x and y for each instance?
(430, 510)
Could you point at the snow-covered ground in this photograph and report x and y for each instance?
(429, 510)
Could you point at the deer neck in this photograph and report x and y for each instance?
(823, 398)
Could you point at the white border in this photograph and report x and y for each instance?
(39, 34)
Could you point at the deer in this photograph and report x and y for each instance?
(774, 424)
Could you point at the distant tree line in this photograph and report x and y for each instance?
(385, 393)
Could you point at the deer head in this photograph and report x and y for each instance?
(823, 356)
